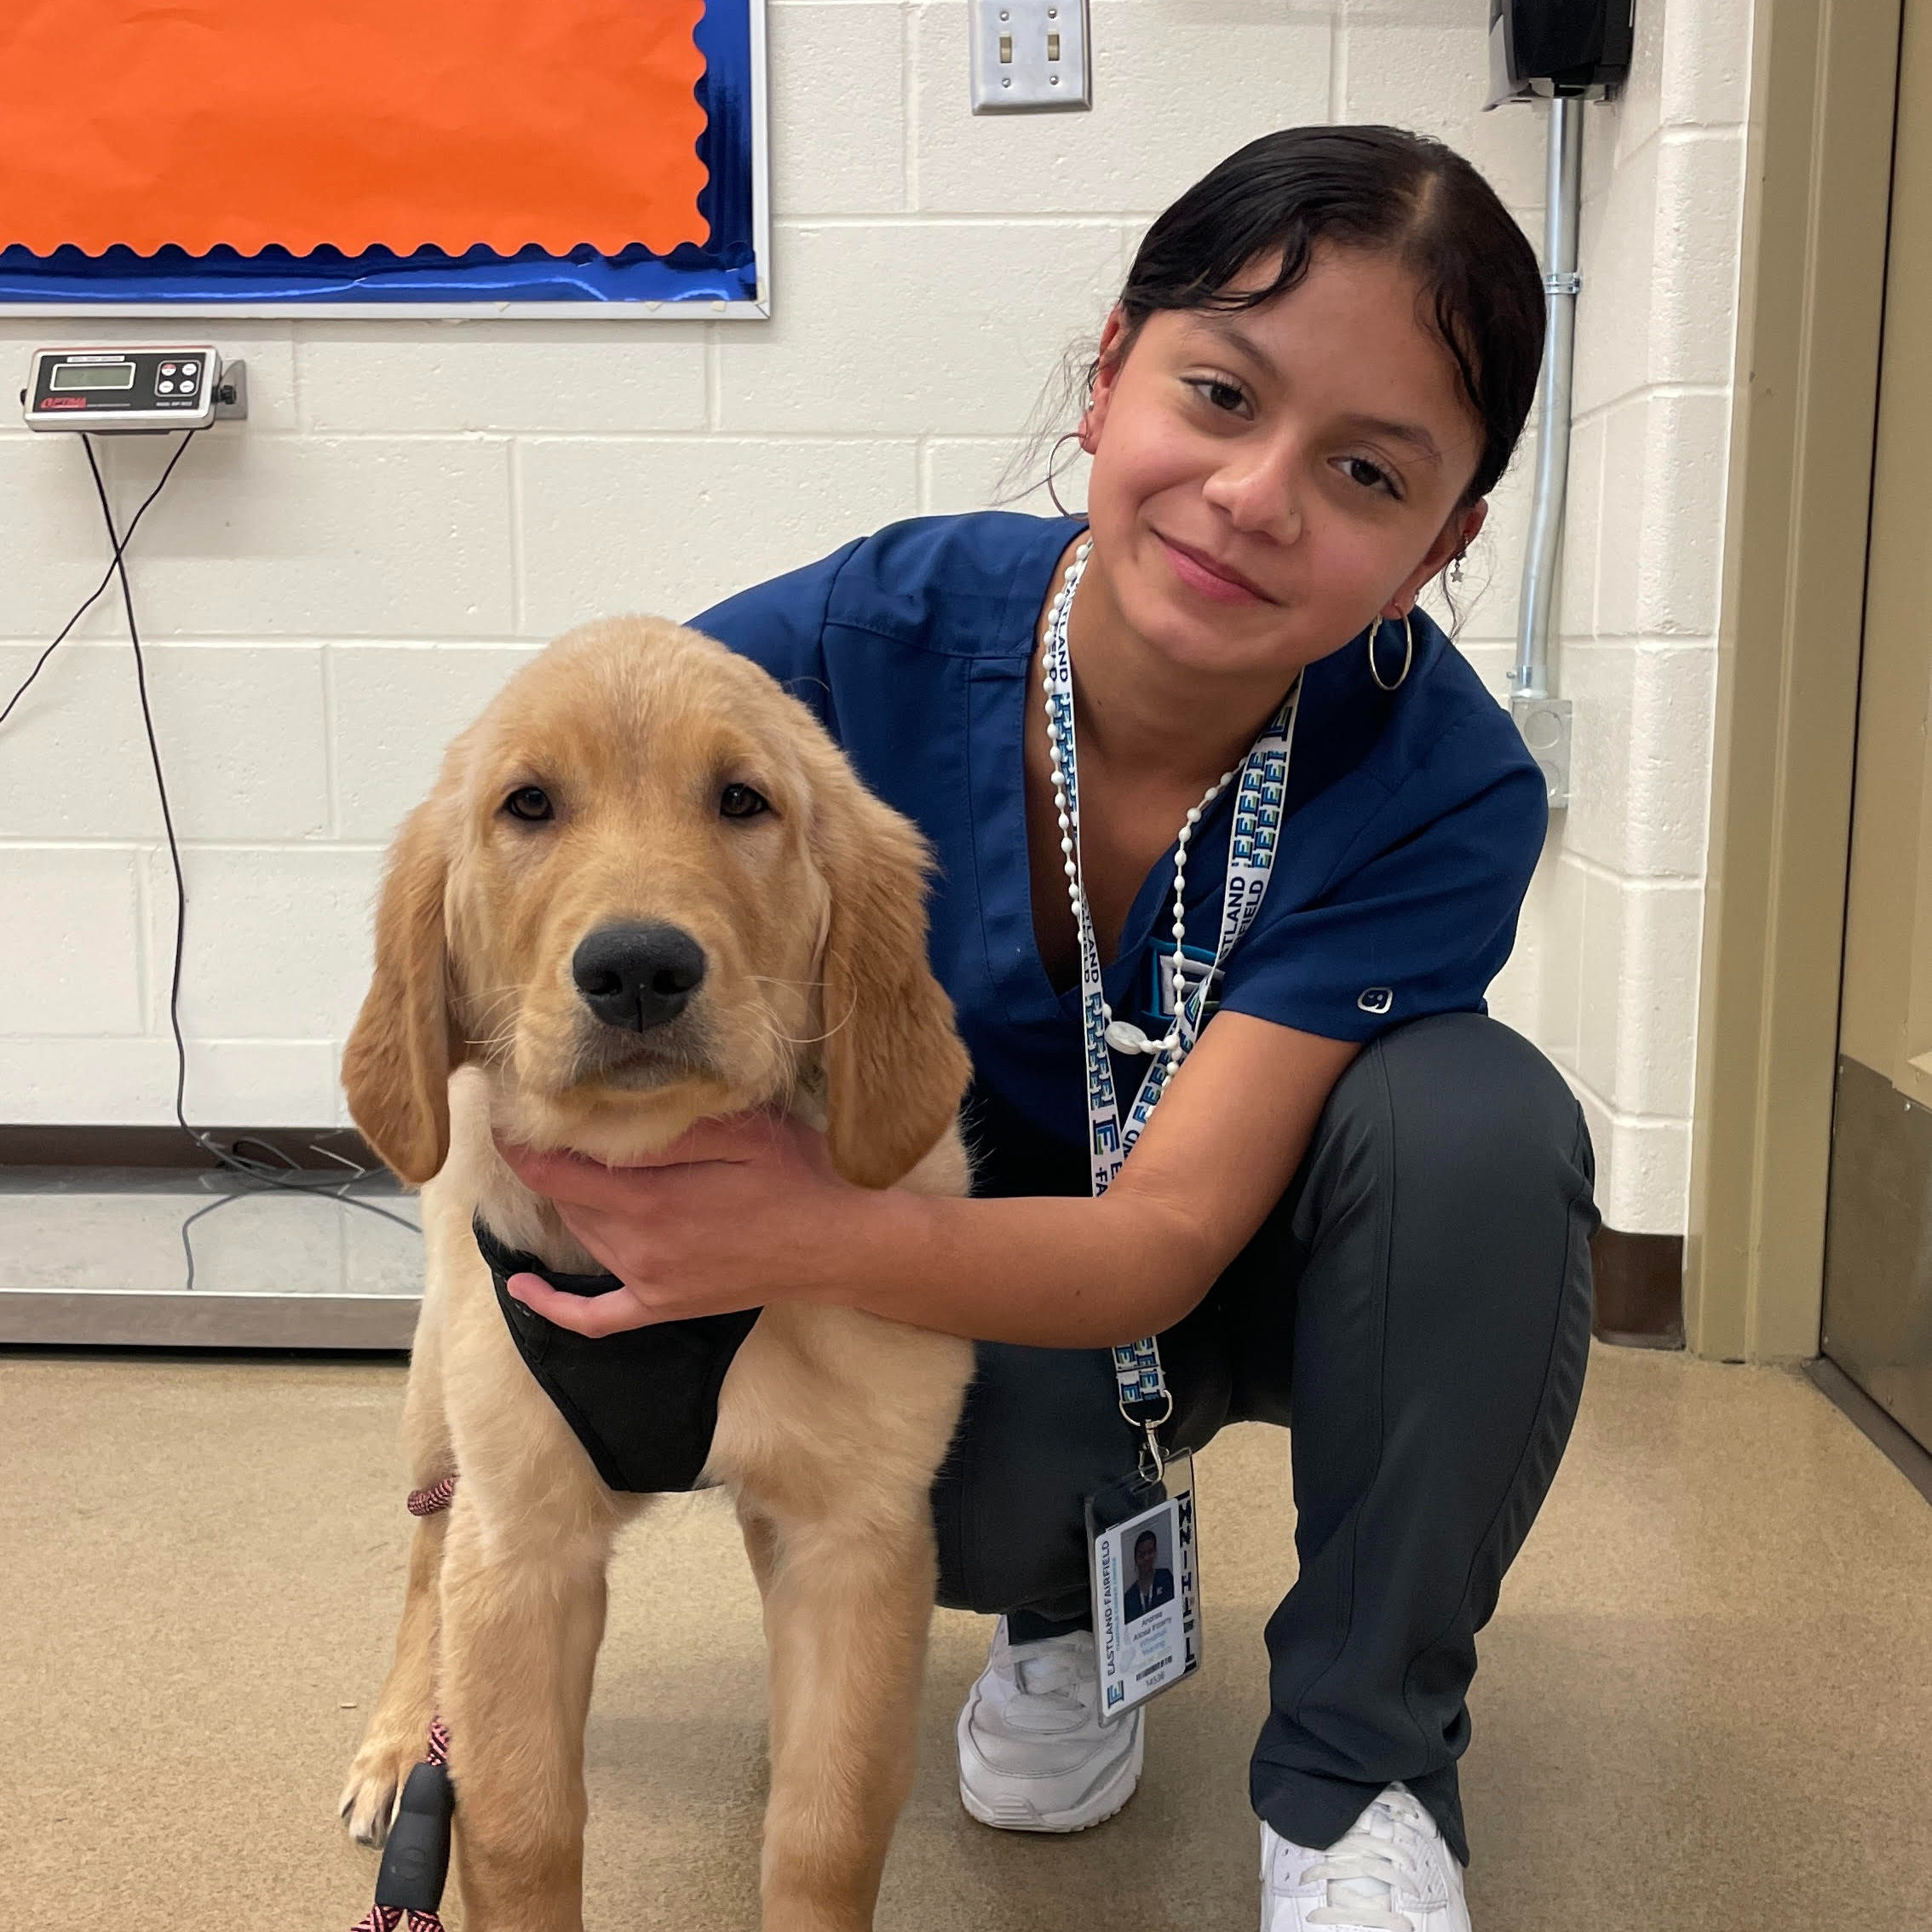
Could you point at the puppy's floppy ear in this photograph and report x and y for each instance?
(895, 1067)
(405, 1041)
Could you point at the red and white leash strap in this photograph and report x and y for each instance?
(416, 1860)
(427, 1502)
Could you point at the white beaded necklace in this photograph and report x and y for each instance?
(1121, 1035)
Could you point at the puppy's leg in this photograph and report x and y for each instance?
(846, 1615)
(522, 1617)
(399, 1730)
(761, 1547)
(761, 1543)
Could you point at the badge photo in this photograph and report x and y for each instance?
(1146, 1585)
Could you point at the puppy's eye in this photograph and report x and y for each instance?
(741, 802)
(531, 803)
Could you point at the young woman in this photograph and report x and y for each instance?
(1359, 1203)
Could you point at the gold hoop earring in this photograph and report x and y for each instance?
(1408, 652)
(1052, 474)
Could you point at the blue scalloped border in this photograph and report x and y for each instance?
(723, 270)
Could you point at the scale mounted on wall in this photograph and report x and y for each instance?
(179, 386)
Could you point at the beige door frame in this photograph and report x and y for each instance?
(1825, 80)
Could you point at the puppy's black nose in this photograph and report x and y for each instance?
(637, 976)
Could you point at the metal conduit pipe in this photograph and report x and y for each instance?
(1542, 717)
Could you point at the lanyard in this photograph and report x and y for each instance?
(1145, 1399)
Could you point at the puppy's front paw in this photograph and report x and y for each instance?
(376, 1780)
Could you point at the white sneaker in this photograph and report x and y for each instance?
(1033, 1755)
(1389, 1872)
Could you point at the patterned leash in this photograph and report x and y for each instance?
(416, 1859)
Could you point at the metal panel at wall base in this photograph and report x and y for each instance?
(93, 1319)
(143, 1256)
(1878, 1246)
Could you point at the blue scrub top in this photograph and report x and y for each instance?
(1411, 823)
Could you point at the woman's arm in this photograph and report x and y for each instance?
(750, 1211)
(1218, 1153)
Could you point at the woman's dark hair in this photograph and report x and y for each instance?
(1377, 188)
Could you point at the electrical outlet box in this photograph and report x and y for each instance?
(1544, 723)
(147, 389)
(1029, 56)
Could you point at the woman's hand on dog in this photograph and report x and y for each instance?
(709, 1224)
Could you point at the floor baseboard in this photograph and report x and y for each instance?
(309, 1149)
(1638, 1289)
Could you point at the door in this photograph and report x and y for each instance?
(1878, 1324)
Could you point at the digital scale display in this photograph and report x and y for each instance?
(152, 389)
(92, 376)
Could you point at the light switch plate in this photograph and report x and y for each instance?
(1029, 56)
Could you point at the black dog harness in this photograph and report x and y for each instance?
(643, 1403)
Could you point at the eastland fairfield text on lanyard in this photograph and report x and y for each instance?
(1143, 1532)
(1145, 1400)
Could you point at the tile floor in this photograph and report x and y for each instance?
(1706, 1700)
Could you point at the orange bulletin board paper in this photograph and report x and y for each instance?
(350, 124)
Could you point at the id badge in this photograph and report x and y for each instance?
(1147, 1585)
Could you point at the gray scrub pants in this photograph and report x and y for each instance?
(1418, 1303)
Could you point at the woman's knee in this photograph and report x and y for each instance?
(1452, 1168)
(1472, 1105)
(1041, 1431)
(1449, 1237)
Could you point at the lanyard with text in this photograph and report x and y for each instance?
(1144, 1400)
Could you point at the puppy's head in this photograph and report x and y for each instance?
(647, 888)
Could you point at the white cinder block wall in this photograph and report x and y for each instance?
(1607, 978)
(331, 590)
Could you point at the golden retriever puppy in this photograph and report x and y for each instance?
(646, 889)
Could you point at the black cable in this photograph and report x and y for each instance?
(277, 1171)
(106, 576)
